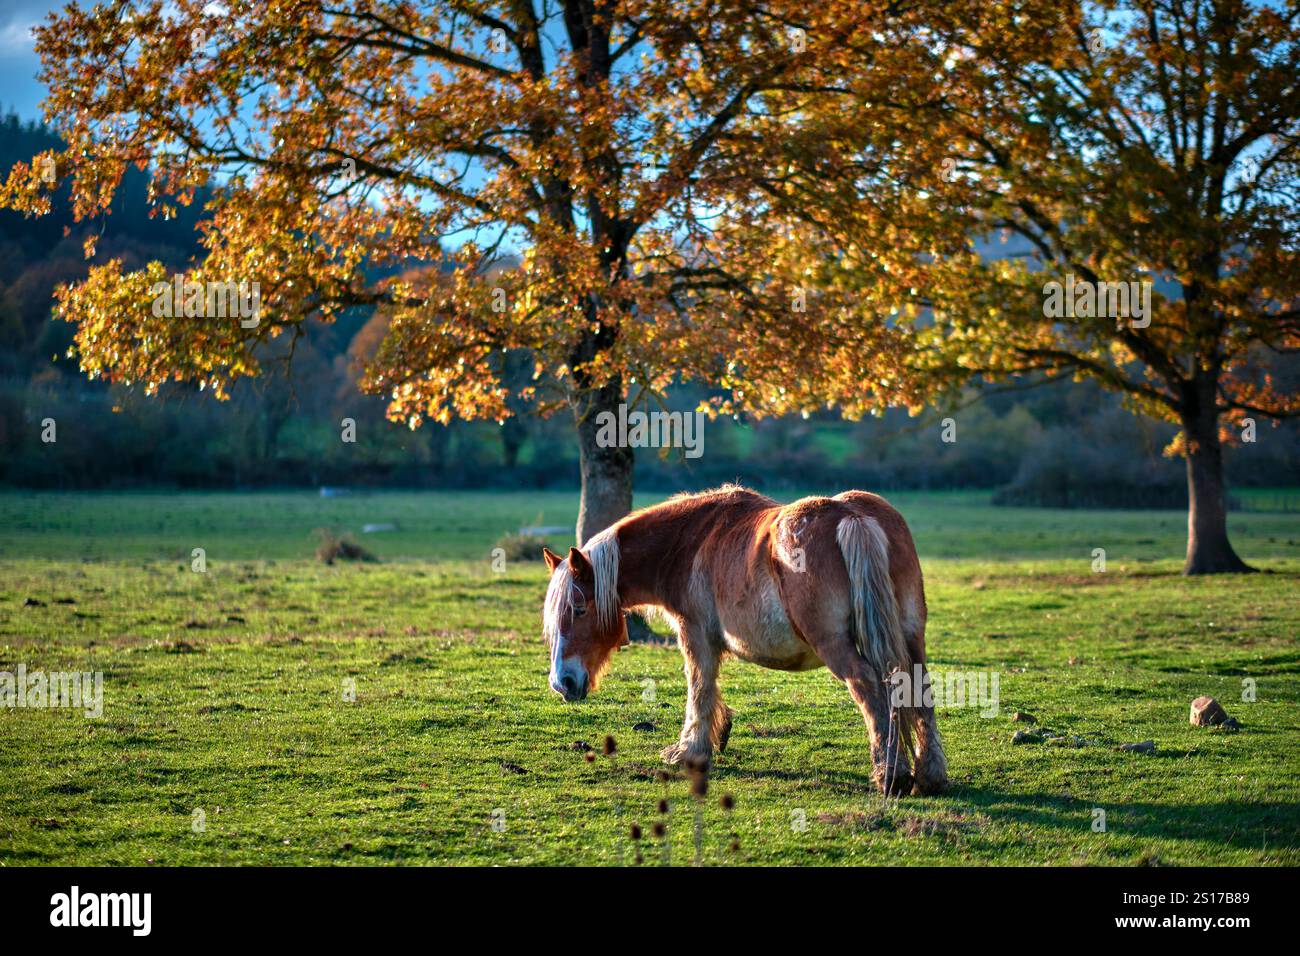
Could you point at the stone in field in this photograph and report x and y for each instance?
(1207, 712)
(1145, 747)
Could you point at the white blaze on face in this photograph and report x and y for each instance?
(568, 677)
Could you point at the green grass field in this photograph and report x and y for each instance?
(224, 693)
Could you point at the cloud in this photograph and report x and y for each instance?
(16, 23)
(18, 62)
(16, 38)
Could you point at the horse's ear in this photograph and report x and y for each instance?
(553, 560)
(582, 569)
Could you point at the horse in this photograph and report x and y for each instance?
(831, 582)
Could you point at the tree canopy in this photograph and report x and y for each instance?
(611, 144)
(790, 201)
(1150, 146)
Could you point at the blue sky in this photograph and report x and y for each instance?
(18, 61)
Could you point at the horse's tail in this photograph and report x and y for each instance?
(877, 633)
(876, 630)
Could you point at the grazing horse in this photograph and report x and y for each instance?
(823, 581)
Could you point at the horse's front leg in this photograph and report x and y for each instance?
(708, 721)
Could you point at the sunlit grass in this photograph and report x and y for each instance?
(224, 692)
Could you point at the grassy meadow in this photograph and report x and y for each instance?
(226, 736)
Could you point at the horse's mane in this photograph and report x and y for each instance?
(727, 490)
(602, 551)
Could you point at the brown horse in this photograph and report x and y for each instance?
(823, 581)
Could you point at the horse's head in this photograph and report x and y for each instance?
(582, 631)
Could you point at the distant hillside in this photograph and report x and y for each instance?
(36, 254)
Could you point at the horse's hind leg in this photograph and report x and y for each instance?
(888, 752)
(930, 772)
(888, 741)
(708, 719)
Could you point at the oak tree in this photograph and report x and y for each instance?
(608, 144)
(1115, 144)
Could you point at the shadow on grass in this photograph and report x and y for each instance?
(1242, 823)
(834, 781)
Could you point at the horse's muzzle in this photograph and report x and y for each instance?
(570, 685)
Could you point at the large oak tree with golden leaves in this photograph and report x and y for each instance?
(1135, 140)
(619, 147)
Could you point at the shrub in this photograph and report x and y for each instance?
(334, 547)
(521, 547)
(1103, 461)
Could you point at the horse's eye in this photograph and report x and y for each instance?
(579, 610)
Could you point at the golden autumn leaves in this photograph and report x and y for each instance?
(611, 146)
(688, 191)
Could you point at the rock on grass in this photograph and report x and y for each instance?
(1208, 712)
(1145, 747)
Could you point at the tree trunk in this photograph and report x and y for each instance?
(513, 435)
(606, 479)
(1208, 548)
(606, 472)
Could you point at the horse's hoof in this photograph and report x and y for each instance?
(923, 786)
(895, 785)
(673, 755)
(680, 754)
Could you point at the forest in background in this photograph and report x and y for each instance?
(1065, 444)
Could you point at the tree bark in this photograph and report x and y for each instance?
(606, 472)
(1208, 549)
(606, 479)
(513, 435)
